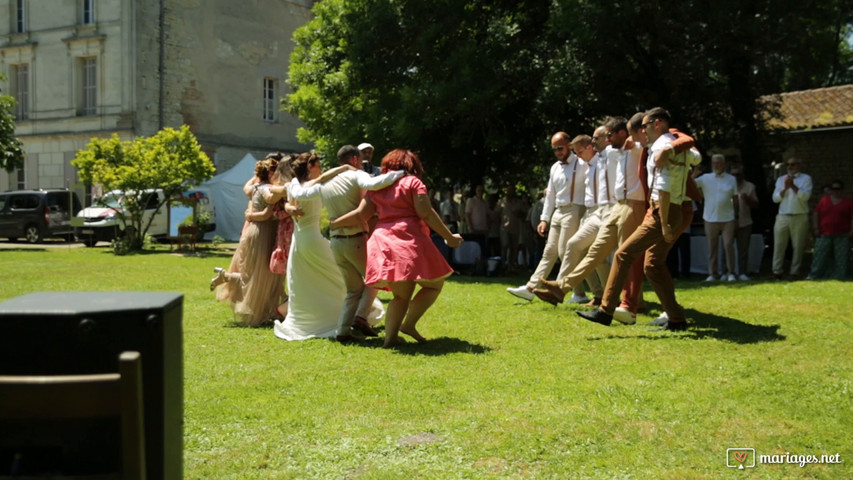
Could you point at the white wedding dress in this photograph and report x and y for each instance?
(314, 281)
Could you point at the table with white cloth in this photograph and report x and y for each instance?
(699, 254)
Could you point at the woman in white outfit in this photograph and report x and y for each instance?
(314, 280)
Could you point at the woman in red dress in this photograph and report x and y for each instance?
(400, 253)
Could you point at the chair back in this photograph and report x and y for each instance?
(63, 397)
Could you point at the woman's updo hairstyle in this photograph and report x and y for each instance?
(262, 170)
(300, 165)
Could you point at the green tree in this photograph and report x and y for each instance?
(170, 160)
(11, 151)
(478, 86)
(453, 80)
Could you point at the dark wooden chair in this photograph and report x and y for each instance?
(61, 397)
(187, 235)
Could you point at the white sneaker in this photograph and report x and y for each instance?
(743, 277)
(623, 315)
(711, 278)
(663, 319)
(730, 277)
(521, 292)
(578, 298)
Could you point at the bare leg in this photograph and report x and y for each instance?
(424, 299)
(397, 310)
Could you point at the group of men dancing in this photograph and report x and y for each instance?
(621, 189)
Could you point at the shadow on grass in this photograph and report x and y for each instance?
(433, 348)
(703, 325)
(24, 250)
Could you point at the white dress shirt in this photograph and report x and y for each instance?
(718, 190)
(609, 164)
(590, 193)
(628, 185)
(793, 203)
(559, 191)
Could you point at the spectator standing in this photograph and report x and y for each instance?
(477, 218)
(449, 210)
(747, 200)
(719, 192)
(792, 193)
(832, 221)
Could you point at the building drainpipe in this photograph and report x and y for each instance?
(161, 106)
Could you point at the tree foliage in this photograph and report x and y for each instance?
(478, 86)
(11, 151)
(170, 160)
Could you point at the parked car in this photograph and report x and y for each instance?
(38, 214)
(101, 220)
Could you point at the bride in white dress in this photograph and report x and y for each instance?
(314, 280)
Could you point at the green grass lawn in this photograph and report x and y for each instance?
(505, 389)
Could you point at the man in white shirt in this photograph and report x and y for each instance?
(341, 195)
(719, 191)
(792, 193)
(563, 208)
(654, 236)
(619, 183)
(597, 199)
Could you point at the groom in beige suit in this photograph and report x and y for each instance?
(341, 195)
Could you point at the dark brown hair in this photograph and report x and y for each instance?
(300, 165)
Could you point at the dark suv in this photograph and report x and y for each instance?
(38, 214)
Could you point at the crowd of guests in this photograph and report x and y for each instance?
(616, 209)
(618, 204)
(284, 270)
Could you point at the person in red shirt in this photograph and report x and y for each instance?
(832, 224)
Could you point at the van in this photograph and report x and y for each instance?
(34, 215)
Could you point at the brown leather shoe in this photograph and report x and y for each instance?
(550, 292)
(361, 325)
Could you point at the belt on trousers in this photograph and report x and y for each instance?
(349, 236)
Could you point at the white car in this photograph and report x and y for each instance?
(101, 222)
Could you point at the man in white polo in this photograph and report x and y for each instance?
(719, 190)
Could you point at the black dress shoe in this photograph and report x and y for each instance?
(597, 316)
(672, 327)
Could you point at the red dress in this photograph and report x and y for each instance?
(400, 247)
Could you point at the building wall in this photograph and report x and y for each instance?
(216, 55)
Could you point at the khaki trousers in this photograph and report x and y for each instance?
(713, 230)
(564, 223)
(795, 227)
(593, 266)
(647, 238)
(351, 256)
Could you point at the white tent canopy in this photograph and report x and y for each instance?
(228, 198)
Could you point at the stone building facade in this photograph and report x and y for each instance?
(92, 68)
